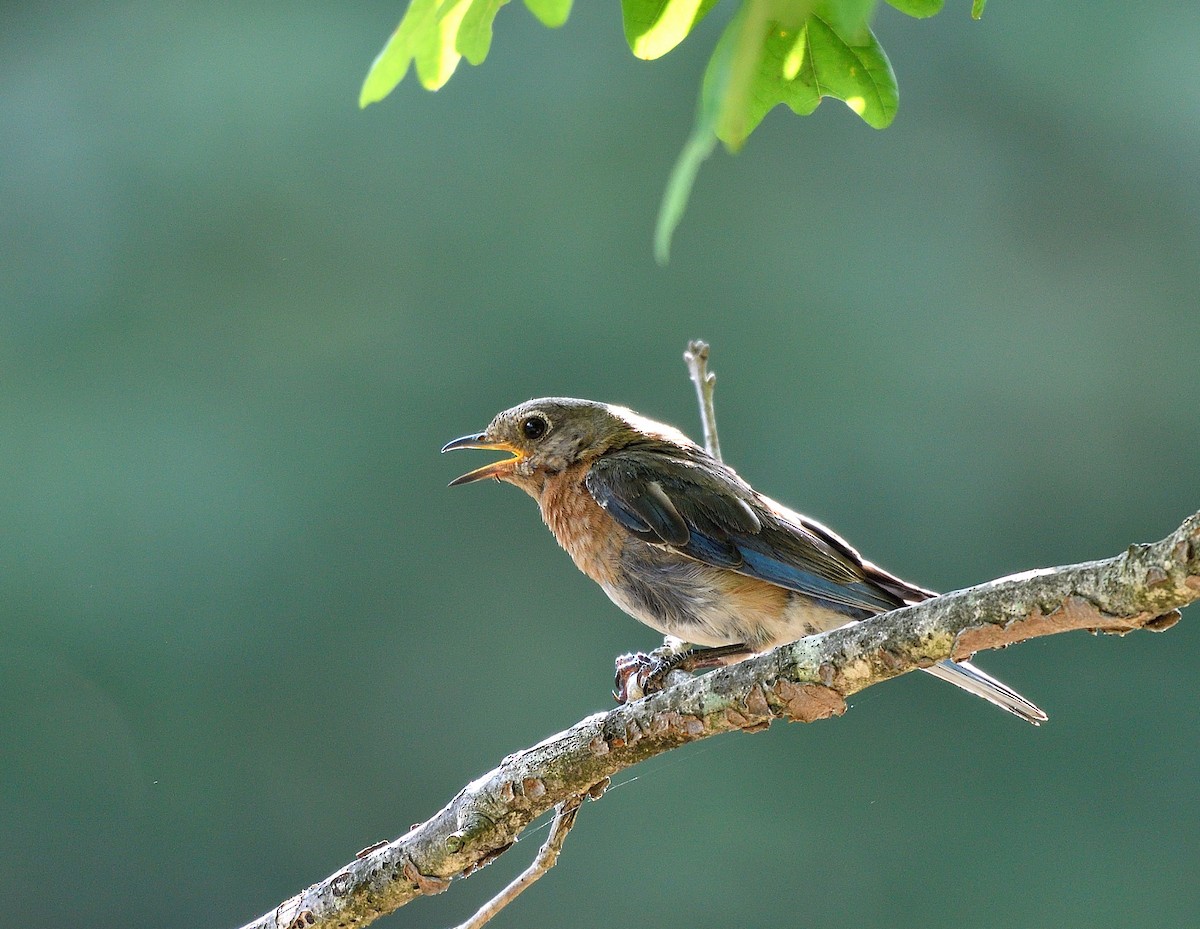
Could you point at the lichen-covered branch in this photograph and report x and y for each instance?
(1143, 588)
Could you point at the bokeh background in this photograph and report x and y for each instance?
(246, 630)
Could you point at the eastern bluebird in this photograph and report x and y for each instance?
(680, 542)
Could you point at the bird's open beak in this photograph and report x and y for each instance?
(497, 469)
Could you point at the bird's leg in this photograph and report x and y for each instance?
(639, 673)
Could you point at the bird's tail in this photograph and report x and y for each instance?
(965, 675)
(959, 673)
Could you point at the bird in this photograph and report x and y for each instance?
(679, 541)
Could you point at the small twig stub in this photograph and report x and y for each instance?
(696, 359)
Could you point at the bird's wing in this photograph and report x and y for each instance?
(702, 509)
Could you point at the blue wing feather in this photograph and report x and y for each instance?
(856, 598)
(728, 525)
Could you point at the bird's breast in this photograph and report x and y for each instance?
(589, 535)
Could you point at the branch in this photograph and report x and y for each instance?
(547, 857)
(1143, 588)
(696, 359)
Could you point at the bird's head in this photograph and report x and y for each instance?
(549, 435)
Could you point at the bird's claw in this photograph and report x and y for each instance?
(639, 674)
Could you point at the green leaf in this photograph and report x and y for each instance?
(919, 9)
(679, 188)
(800, 68)
(435, 49)
(977, 8)
(475, 34)
(700, 144)
(760, 63)
(847, 17)
(436, 35)
(552, 13)
(426, 36)
(391, 64)
(654, 27)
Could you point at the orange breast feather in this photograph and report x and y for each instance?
(590, 536)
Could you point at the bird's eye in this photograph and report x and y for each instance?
(534, 427)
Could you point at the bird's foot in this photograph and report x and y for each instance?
(639, 674)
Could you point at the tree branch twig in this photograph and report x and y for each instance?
(696, 359)
(1142, 588)
(546, 858)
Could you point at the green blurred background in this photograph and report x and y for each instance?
(246, 629)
